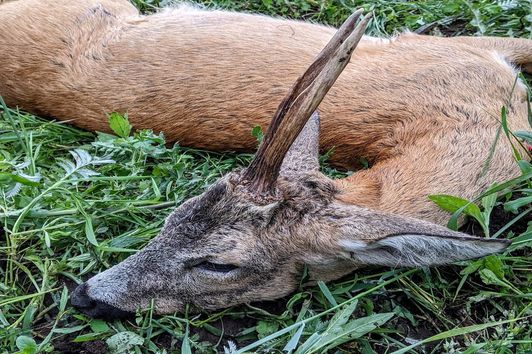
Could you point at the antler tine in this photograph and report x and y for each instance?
(302, 100)
(315, 68)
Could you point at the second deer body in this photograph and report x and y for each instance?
(424, 111)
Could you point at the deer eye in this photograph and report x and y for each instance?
(216, 267)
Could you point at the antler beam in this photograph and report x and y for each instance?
(302, 100)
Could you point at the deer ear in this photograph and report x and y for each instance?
(415, 250)
(304, 152)
(371, 237)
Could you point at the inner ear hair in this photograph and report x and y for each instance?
(416, 250)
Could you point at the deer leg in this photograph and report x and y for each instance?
(516, 50)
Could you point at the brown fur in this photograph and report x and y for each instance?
(413, 106)
(423, 110)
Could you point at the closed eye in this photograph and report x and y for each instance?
(216, 267)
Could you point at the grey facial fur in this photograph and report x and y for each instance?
(261, 249)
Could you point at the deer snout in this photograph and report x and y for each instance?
(95, 308)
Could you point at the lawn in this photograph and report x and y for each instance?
(73, 203)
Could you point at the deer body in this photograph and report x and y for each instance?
(423, 110)
(206, 78)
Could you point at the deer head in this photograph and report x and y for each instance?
(249, 236)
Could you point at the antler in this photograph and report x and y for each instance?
(297, 107)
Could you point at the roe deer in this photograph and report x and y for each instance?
(423, 110)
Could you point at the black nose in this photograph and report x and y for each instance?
(95, 308)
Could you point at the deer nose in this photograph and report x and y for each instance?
(95, 308)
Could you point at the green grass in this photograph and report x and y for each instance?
(63, 223)
(456, 17)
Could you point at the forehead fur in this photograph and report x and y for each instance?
(227, 203)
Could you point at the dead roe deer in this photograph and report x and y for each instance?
(423, 110)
